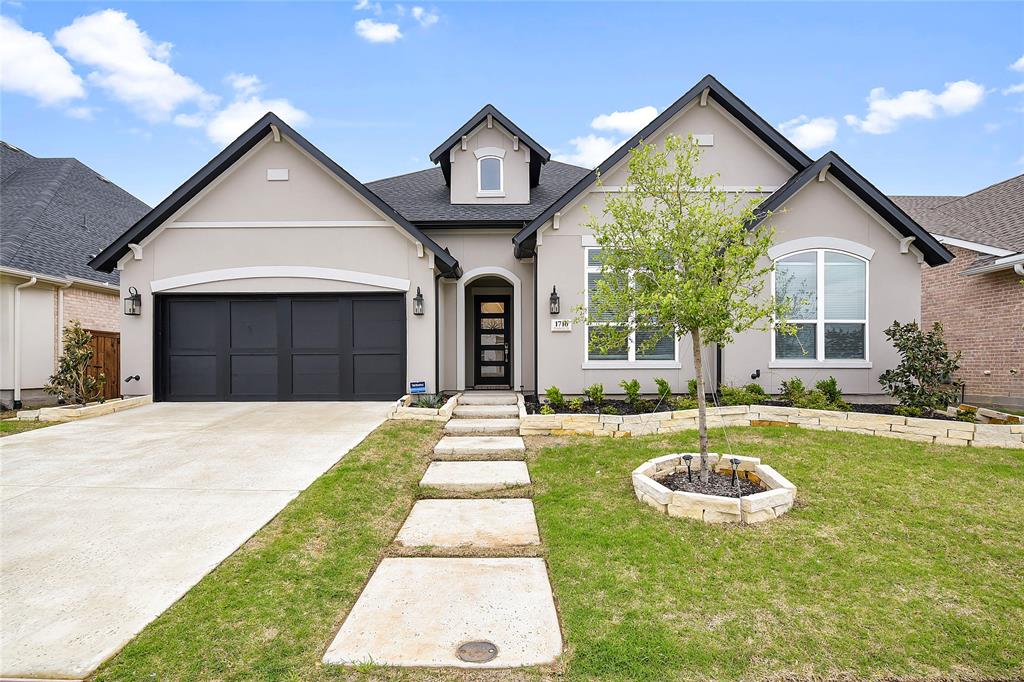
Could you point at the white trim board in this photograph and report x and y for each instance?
(278, 271)
(832, 243)
(973, 246)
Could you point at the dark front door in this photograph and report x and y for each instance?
(281, 347)
(493, 338)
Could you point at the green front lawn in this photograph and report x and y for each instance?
(9, 428)
(899, 560)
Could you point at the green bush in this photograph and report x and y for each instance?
(924, 377)
(833, 394)
(72, 382)
(691, 388)
(792, 390)
(684, 402)
(546, 409)
(967, 415)
(755, 389)
(664, 388)
(576, 404)
(595, 393)
(632, 390)
(905, 411)
(814, 400)
(731, 395)
(555, 397)
(431, 401)
(609, 409)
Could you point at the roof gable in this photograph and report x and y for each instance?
(707, 87)
(267, 125)
(934, 252)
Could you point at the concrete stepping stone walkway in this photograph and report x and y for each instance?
(419, 612)
(484, 524)
(476, 477)
(454, 611)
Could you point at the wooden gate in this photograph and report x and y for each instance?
(106, 360)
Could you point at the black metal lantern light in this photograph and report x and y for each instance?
(417, 302)
(133, 304)
(554, 303)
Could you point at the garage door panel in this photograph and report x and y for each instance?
(193, 376)
(281, 347)
(253, 325)
(316, 325)
(254, 376)
(316, 375)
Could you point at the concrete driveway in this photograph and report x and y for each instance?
(105, 523)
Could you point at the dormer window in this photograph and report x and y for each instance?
(490, 174)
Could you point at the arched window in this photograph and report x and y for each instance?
(490, 174)
(827, 293)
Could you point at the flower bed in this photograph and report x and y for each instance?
(402, 410)
(890, 426)
(775, 500)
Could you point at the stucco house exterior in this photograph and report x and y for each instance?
(55, 215)
(979, 297)
(273, 274)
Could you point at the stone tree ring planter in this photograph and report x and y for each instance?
(774, 499)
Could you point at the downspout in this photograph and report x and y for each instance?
(437, 336)
(718, 368)
(17, 340)
(536, 324)
(1019, 269)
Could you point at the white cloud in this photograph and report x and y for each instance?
(426, 18)
(626, 122)
(885, 113)
(590, 150)
(30, 65)
(367, 6)
(234, 119)
(1018, 65)
(130, 65)
(244, 84)
(1014, 89)
(197, 120)
(81, 113)
(377, 31)
(810, 133)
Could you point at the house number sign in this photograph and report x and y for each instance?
(561, 325)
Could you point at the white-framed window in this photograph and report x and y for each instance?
(662, 353)
(828, 290)
(490, 175)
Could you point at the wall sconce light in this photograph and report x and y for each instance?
(133, 304)
(554, 304)
(417, 302)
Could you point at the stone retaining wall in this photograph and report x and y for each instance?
(936, 431)
(66, 413)
(401, 410)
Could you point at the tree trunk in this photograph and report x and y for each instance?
(702, 405)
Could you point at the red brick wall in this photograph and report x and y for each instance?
(94, 309)
(982, 316)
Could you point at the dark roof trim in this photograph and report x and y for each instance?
(718, 92)
(470, 224)
(107, 259)
(934, 252)
(478, 118)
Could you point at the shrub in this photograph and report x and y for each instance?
(72, 383)
(684, 402)
(546, 409)
(691, 388)
(967, 415)
(609, 409)
(576, 404)
(755, 389)
(904, 411)
(632, 390)
(664, 388)
(433, 402)
(595, 393)
(814, 400)
(731, 395)
(792, 390)
(833, 394)
(924, 377)
(555, 397)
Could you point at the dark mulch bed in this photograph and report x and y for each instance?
(620, 407)
(718, 484)
(870, 408)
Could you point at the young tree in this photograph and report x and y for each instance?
(679, 257)
(924, 378)
(72, 382)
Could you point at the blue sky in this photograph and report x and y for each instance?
(146, 93)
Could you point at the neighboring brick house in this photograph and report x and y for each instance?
(55, 214)
(979, 297)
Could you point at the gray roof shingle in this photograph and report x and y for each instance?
(422, 197)
(55, 214)
(993, 216)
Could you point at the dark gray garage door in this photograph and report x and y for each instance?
(281, 347)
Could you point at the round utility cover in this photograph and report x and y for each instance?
(477, 652)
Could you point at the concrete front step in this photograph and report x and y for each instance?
(488, 427)
(475, 476)
(485, 524)
(488, 398)
(487, 411)
(452, 448)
